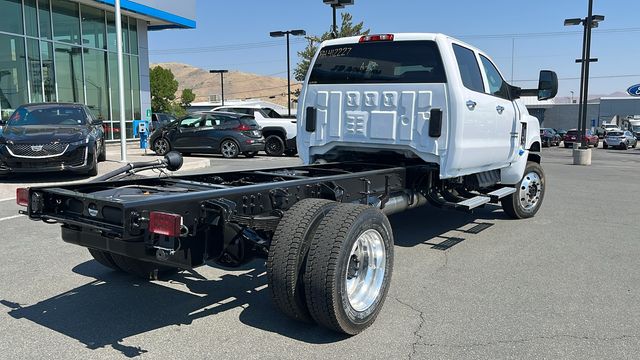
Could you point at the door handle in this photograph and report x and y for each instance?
(471, 104)
(499, 109)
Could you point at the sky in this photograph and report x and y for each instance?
(521, 36)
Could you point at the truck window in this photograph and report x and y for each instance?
(469, 69)
(497, 85)
(379, 62)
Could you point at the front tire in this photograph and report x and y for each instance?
(274, 145)
(349, 268)
(93, 170)
(604, 145)
(161, 146)
(103, 152)
(526, 201)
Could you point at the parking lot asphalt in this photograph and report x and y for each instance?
(562, 285)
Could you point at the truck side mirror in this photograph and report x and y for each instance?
(547, 85)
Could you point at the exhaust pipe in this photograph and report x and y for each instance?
(402, 202)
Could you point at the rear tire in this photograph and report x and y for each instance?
(142, 269)
(288, 255)
(349, 268)
(274, 145)
(526, 201)
(161, 146)
(229, 149)
(104, 258)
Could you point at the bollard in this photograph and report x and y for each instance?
(581, 156)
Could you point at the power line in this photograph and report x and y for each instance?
(218, 48)
(590, 77)
(546, 34)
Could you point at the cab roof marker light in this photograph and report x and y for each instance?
(378, 37)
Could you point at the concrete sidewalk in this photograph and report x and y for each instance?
(135, 154)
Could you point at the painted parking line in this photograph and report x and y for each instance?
(7, 199)
(11, 217)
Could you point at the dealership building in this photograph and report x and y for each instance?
(65, 51)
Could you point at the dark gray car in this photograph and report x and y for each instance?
(223, 133)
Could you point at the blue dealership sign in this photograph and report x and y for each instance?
(634, 90)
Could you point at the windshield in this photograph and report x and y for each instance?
(635, 128)
(50, 115)
(379, 62)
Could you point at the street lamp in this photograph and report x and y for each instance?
(337, 4)
(591, 21)
(281, 34)
(221, 72)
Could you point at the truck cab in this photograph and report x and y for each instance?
(418, 96)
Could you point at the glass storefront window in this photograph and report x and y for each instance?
(97, 83)
(44, 18)
(69, 73)
(66, 21)
(13, 74)
(113, 85)
(128, 108)
(135, 87)
(31, 17)
(34, 70)
(111, 33)
(48, 73)
(133, 36)
(93, 27)
(11, 11)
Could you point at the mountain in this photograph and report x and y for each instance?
(237, 85)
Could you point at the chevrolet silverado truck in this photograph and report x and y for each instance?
(387, 123)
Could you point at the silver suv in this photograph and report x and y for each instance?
(620, 139)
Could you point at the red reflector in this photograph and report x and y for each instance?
(165, 224)
(380, 37)
(22, 196)
(243, 127)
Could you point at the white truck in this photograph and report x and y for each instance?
(279, 132)
(387, 123)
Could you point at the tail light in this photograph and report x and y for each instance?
(167, 224)
(22, 196)
(380, 37)
(243, 127)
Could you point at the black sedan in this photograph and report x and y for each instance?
(223, 133)
(51, 137)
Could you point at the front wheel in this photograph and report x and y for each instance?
(103, 152)
(161, 146)
(229, 149)
(526, 201)
(93, 170)
(349, 268)
(605, 146)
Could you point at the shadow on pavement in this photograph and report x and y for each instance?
(116, 306)
(42, 178)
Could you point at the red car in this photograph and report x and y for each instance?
(572, 136)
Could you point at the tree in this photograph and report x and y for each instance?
(346, 29)
(163, 89)
(187, 97)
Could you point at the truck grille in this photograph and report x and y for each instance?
(37, 150)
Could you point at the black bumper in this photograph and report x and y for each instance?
(256, 146)
(76, 159)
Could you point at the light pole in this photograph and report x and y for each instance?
(221, 72)
(591, 21)
(571, 91)
(281, 34)
(336, 4)
(123, 124)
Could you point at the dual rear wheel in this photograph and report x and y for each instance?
(331, 263)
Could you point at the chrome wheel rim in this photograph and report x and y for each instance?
(161, 146)
(530, 191)
(229, 149)
(366, 269)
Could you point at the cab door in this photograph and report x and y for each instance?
(185, 137)
(482, 139)
(506, 127)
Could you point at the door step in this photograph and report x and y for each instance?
(467, 205)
